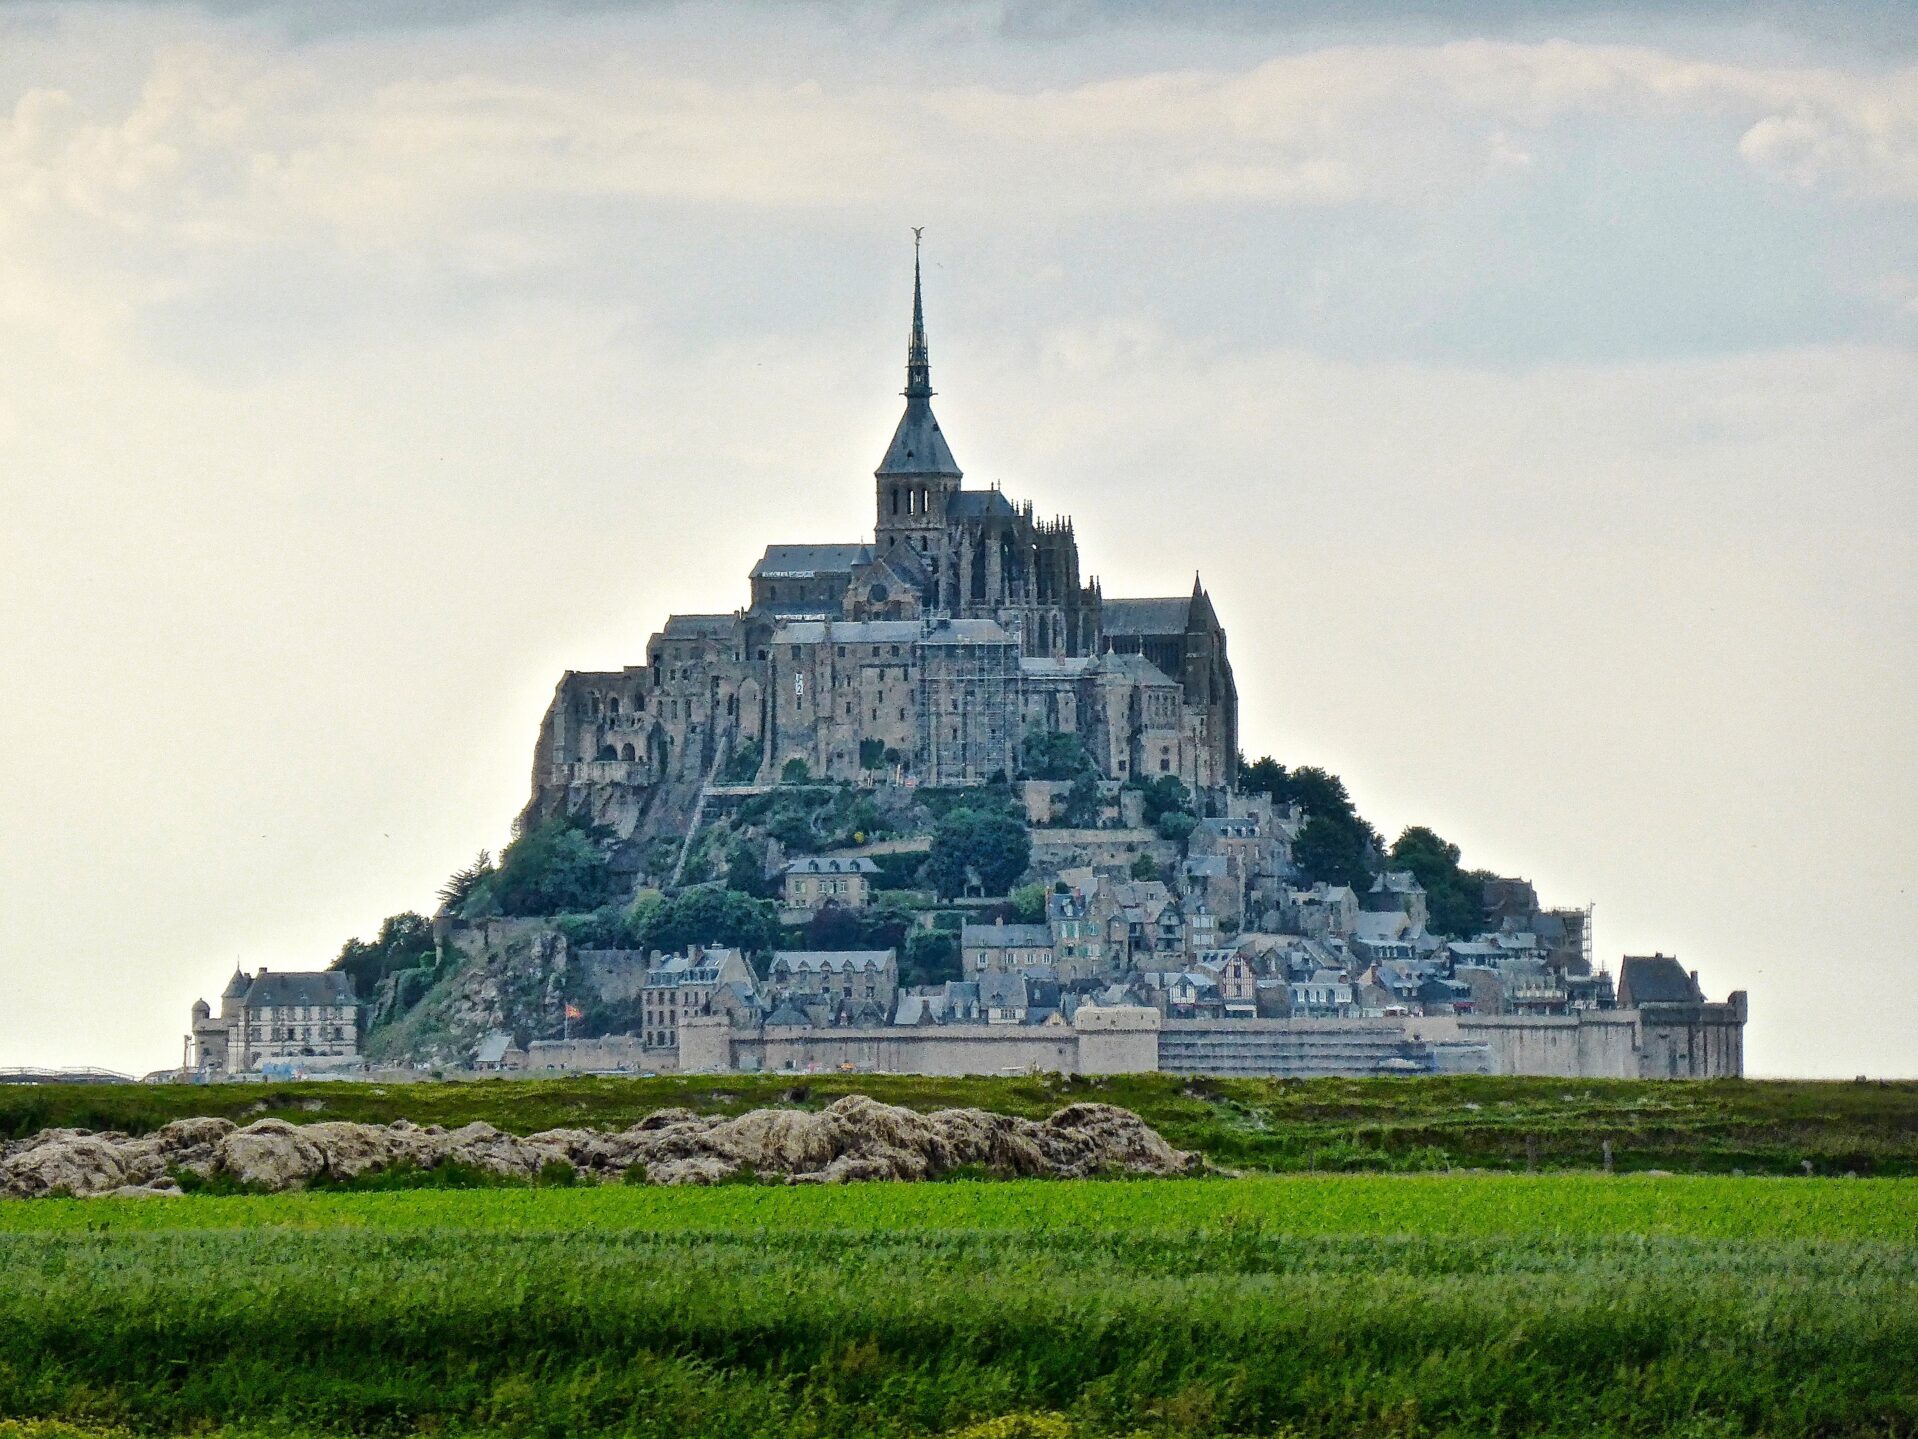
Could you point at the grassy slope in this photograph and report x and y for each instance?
(1760, 1127)
(1333, 1305)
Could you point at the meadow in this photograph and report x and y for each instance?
(1433, 1123)
(1300, 1305)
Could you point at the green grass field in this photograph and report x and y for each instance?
(1306, 1305)
(1758, 1127)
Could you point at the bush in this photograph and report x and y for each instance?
(405, 941)
(795, 771)
(995, 847)
(1051, 755)
(931, 957)
(558, 867)
(1145, 867)
(709, 915)
(1176, 826)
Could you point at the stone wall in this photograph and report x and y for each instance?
(1118, 1040)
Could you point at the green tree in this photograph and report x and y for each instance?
(746, 869)
(405, 941)
(1083, 802)
(1050, 754)
(931, 957)
(558, 867)
(1335, 845)
(993, 845)
(1176, 825)
(710, 915)
(1165, 795)
(460, 884)
(1334, 851)
(795, 771)
(1454, 897)
(1029, 904)
(1145, 867)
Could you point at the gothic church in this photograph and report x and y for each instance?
(922, 657)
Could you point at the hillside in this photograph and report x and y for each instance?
(1385, 1124)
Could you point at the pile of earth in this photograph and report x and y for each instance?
(853, 1138)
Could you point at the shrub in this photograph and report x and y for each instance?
(995, 847)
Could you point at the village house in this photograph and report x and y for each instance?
(681, 985)
(816, 880)
(1003, 948)
(277, 1017)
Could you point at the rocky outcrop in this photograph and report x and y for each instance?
(855, 1138)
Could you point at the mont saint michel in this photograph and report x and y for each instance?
(921, 656)
(935, 802)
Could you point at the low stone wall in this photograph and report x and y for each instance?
(610, 1054)
(1675, 1041)
(1115, 1040)
(1057, 849)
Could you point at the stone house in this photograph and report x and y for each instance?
(269, 1016)
(1004, 948)
(817, 880)
(848, 979)
(1325, 911)
(1219, 881)
(1399, 889)
(1326, 995)
(681, 985)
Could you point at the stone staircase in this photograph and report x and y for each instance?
(720, 752)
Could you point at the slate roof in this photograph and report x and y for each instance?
(823, 864)
(918, 445)
(798, 562)
(1145, 617)
(1654, 979)
(1051, 667)
(978, 505)
(236, 986)
(851, 632)
(492, 1049)
(1133, 667)
(830, 961)
(1003, 991)
(1397, 881)
(700, 627)
(324, 987)
(1006, 936)
(1381, 926)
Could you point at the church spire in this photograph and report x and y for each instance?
(918, 367)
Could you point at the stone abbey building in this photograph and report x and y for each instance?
(924, 655)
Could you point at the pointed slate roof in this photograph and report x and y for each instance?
(918, 447)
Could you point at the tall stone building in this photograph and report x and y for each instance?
(925, 654)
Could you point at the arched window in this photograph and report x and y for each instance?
(626, 752)
(895, 499)
(606, 751)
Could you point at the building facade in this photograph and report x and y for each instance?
(267, 1017)
(925, 653)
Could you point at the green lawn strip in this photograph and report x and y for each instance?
(1701, 1207)
(1281, 1125)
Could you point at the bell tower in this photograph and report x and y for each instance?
(918, 474)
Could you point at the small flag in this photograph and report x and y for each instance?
(572, 1012)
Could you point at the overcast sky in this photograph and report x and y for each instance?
(1535, 386)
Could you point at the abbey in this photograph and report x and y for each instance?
(922, 656)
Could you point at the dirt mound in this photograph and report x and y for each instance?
(853, 1138)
